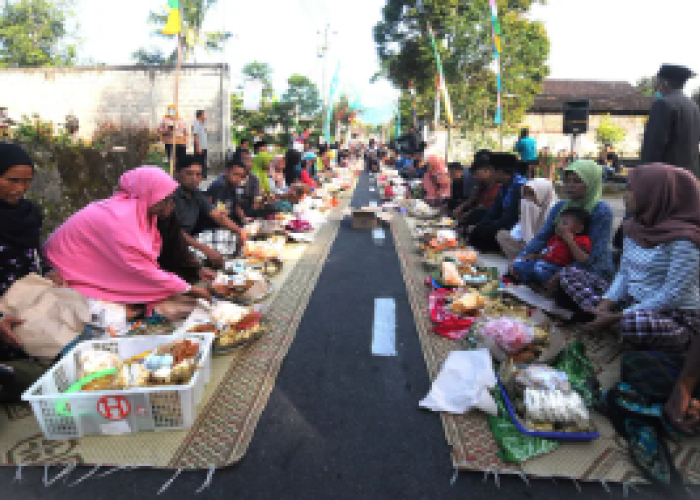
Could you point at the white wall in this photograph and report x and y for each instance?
(121, 94)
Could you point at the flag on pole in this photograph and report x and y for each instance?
(413, 103)
(442, 86)
(174, 24)
(498, 119)
(329, 111)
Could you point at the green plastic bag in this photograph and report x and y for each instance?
(578, 368)
(515, 447)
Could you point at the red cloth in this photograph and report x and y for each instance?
(306, 178)
(444, 322)
(558, 252)
(389, 193)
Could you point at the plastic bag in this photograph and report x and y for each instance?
(544, 378)
(515, 447)
(511, 334)
(464, 382)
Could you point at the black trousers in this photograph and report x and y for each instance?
(483, 239)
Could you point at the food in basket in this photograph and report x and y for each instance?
(556, 407)
(468, 304)
(171, 364)
(97, 361)
(450, 275)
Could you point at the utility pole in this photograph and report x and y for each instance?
(323, 54)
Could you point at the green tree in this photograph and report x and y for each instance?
(193, 14)
(152, 57)
(464, 35)
(609, 134)
(36, 33)
(261, 72)
(646, 85)
(302, 94)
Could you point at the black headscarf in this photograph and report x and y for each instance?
(20, 224)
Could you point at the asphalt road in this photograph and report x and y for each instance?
(341, 423)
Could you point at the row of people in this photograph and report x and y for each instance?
(134, 248)
(563, 248)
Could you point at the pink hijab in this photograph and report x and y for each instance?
(109, 249)
(436, 180)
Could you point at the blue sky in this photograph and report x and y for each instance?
(591, 39)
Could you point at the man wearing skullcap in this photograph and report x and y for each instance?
(672, 134)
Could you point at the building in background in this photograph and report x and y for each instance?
(624, 103)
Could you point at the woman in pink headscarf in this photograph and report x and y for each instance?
(277, 172)
(109, 250)
(436, 181)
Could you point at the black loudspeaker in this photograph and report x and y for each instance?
(576, 116)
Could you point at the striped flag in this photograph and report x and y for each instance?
(174, 24)
(442, 87)
(498, 119)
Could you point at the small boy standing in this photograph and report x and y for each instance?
(570, 244)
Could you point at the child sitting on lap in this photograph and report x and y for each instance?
(570, 244)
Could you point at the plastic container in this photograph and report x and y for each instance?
(116, 412)
(559, 436)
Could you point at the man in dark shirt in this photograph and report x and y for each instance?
(672, 133)
(462, 185)
(505, 211)
(194, 210)
(229, 190)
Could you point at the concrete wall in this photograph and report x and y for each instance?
(547, 129)
(121, 94)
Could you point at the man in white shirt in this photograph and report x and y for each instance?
(199, 132)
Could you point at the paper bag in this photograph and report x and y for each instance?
(52, 316)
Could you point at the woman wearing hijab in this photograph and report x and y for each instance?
(658, 284)
(109, 250)
(20, 234)
(583, 183)
(277, 181)
(261, 165)
(538, 199)
(436, 181)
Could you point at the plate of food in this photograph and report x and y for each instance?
(234, 326)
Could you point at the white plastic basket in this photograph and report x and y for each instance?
(117, 412)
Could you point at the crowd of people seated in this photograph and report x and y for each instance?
(154, 245)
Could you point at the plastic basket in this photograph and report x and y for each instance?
(116, 412)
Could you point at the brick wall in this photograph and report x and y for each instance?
(120, 94)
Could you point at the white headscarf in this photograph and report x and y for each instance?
(533, 216)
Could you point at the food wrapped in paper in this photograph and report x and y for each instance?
(450, 275)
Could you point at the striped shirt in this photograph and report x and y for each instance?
(666, 277)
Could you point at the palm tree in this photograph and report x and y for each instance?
(193, 14)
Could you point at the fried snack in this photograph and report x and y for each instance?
(203, 328)
(466, 257)
(468, 304)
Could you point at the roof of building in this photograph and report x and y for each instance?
(605, 97)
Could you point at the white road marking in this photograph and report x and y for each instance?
(384, 329)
